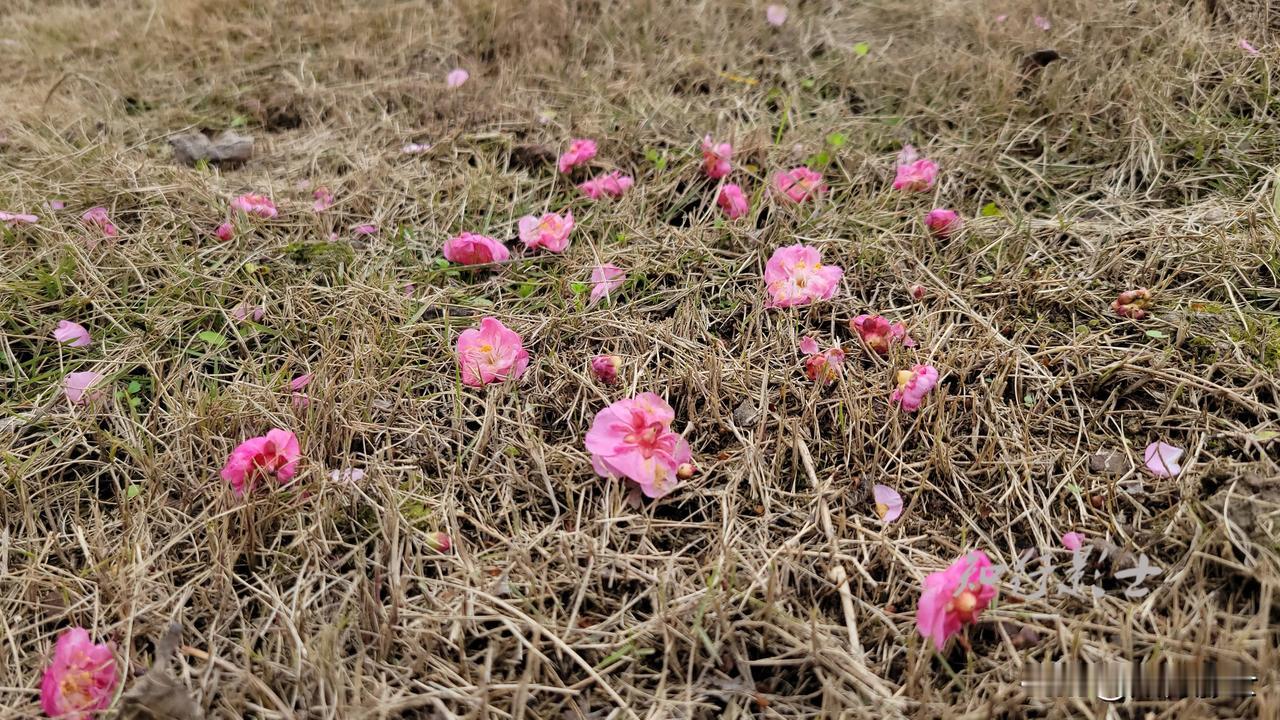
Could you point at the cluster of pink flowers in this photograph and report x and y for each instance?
(633, 439)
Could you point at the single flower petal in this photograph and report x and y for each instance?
(1162, 459)
(888, 502)
(71, 333)
(1072, 541)
(456, 77)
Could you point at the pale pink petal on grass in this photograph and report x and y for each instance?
(12, 219)
(1001, 18)
(1072, 541)
(365, 229)
(1162, 459)
(605, 279)
(255, 205)
(78, 387)
(613, 184)
(415, 148)
(244, 311)
(324, 199)
(888, 502)
(456, 78)
(73, 334)
(808, 345)
(775, 15)
(1248, 47)
(56, 204)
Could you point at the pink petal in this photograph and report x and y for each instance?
(73, 332)
(1072, 541)
(808, 346)
(1248, 47)
(415, 148)
(888, 502)
(456, 77)
(775, 15)
(1042, 22)
(1162, 459)
(76, 387)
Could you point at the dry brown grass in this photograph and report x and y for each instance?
(1145, 158)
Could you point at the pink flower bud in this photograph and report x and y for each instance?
(440, 542)
(225, 231)
(917, 291)
(606, 368)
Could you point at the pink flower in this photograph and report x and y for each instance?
(1073, 541)
(472, 249)
(257, 205)
(795, 275)
(456, 78)
(299, 399)
(605, 279)
(605, 368)
(913, 385)
(97, 217)
(799, 184)
(716, 158)
(415, 148)
(809, 346)
(942, 222)
(732, 201)
(775, 15)
(888, 502)
(225, 231)
(612, 184)
(549, 232)
(1162, 459)
(914, 175)
(76, 387)
(74, 332)
(878, 334)
(12, 219)
(955, 597)
(324, 199)
(579, 152)
(1042, 22)
(244, 311)
(367, 229)
(824, 367)
(491, 353)
(272, 455)
(1132, 303)
(1248, 47)
(633, 439)
(81, 679)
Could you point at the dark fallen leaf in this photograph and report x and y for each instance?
(530, 156)
(1039, 59)
(156, 695)
(228, 148)
(1110, 462)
